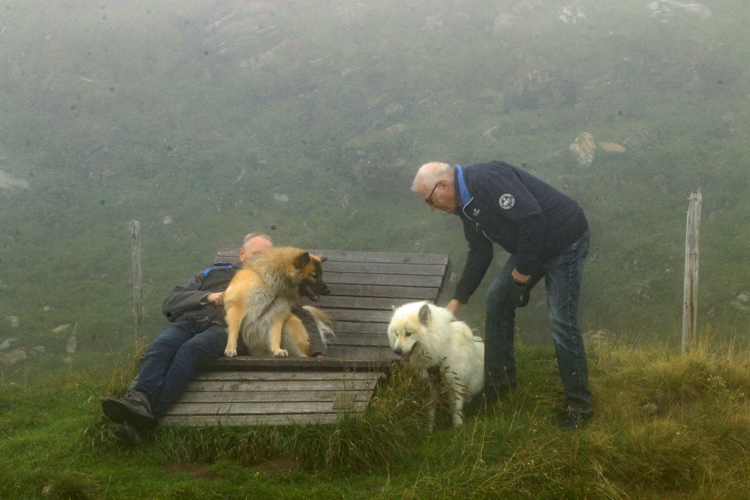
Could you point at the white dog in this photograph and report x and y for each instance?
(427, 336)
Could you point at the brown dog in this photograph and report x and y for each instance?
(259, 298)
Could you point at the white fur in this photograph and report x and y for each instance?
(428, 336)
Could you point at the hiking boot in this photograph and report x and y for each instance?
(569, 420)
(128, 435)
(488, 395)
(133, 408)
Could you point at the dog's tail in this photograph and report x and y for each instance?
(323, 321)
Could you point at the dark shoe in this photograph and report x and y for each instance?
(488, 395)
(133, 408)
(570, 420)
(128, 434)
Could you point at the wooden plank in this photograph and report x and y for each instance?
(381, 355)
(276, 407)
(382, 257)
(340, 377)
(267, 396)
(377, 268)
(350, 327)
(260, 385)
(251, 420)
(331, 363)
(365, 315)
(359, 303)
(395, 292)
(383, 279)
(360, 339)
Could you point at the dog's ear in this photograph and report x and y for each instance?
(424, 314)
(302, 260)
(323, 259)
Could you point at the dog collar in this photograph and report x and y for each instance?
(269, 306)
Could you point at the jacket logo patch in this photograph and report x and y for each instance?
(507, 201)
(475, 212)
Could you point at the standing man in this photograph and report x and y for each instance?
(198, 335)
(547, 236)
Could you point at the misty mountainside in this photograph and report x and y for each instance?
(206, 120)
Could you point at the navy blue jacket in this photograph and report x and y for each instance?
(503, 204)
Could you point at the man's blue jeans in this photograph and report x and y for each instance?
(562, 277)
(172, 358)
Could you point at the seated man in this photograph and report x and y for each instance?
(197, 336)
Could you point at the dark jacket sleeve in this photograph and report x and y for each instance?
(526, 214)
(477, 262)
(185, 299)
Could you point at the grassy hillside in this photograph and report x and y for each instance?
(667, 427)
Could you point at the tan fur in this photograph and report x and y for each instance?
(271, 278)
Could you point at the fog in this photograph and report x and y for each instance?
(206, 120)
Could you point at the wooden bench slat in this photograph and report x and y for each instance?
(357, 328)
(279, 386)
(266, 397)
(382, 257)
(328, 302)
(276, 407)
(360, 339)
(250, 420)
(340, 377)
(383, 279)
(394, 292)
(377, 362)
(364, 315)
(376, 268)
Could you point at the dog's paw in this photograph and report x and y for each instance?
(230, 353)
(281, 353)
(458, 420)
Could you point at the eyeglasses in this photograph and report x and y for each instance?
(429, 198)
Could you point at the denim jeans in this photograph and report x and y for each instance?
(562, 277)
(172, 358)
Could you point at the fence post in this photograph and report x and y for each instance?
(690, 290)
(135, 231)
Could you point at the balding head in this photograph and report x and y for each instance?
(429, 173)
(434, 184)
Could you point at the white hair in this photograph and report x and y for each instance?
(432, 172)
(250, 236)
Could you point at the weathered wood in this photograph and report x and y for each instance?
(251, 420)
(282, 376)
(690, 289)
(246, 398)
(269, 396)
(382, 279)
(393, 292)
(329, 302)
(276, 407)
(135, 232)
(334, 362)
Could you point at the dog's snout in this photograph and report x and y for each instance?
(398, 350)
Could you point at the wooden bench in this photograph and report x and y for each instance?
(365, 286)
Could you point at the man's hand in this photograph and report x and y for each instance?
(454, 307)
(520, 278)
(215, 298)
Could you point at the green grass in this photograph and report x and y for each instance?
(667, 427)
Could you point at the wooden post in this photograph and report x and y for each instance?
(135, 231)
(690, 291)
